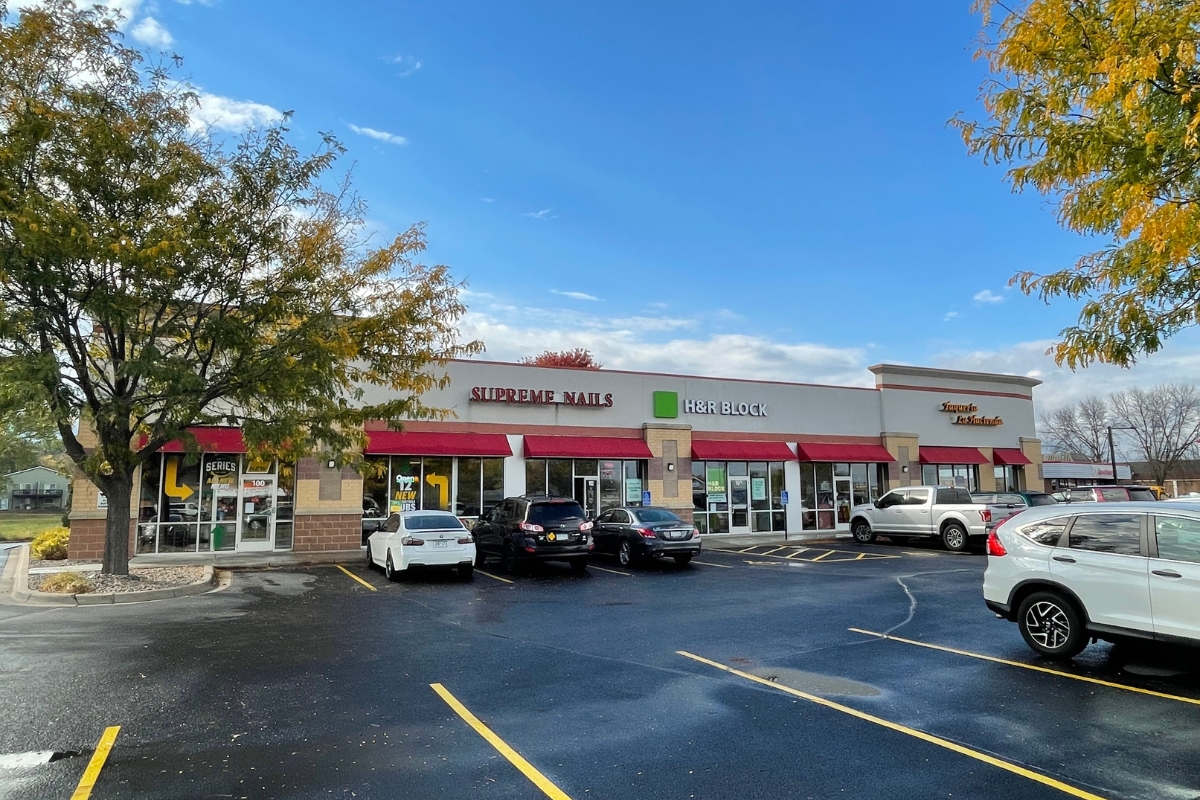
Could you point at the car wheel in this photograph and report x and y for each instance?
(682, 561)
(625, 554)
(579, 566)
(1050, 625)
(509, 559)
(466, 571)
(954, 537)
(862, 532)
(389, 569)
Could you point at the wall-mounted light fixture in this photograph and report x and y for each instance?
(670, 467)
(331, 464)
(904, 468)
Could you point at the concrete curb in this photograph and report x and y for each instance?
(28, 597)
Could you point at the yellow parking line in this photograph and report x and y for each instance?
(774, 550)
(823, 555)
(799, 550)
(710, 564)
(84, 790)
(613, 571)
(1033, 667)
(493, 577)
(352, 575)
(528, 770)
(926, 737)
(860, 556)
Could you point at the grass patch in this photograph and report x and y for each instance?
(18, 527)
(66, 583)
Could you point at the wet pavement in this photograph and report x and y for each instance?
(307, 684)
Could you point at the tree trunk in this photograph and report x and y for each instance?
(116, 529)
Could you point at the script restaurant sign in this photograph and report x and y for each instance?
(965, 414)
(539, 397)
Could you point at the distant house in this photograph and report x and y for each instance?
(33, 489)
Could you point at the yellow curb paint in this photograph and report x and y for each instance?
(84, 790)
(352, 575)
(493, 577)
(528, 770)
(1034, 667)
(613, 571)
(926, 737)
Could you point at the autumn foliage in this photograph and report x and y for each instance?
(579, 358)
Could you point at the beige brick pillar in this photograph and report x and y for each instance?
(669, 471)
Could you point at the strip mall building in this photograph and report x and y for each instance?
(733, 456)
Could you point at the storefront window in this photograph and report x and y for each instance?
(635, 481)
(375, 487)
(559, 477)
(468, 499)
(493, 483)
(535, 476)
(808, 496)
(825, 498)
(406, 481)
(1009, 478)
(611, 484)
(859, 484)
(961, 476)
(285, 511)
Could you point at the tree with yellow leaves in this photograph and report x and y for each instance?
(1096, 104)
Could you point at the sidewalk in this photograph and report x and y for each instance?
(247, 560)
(729, 541)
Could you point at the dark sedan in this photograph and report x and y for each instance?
(636, 532)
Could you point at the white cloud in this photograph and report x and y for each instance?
(575, 295)
(988, 296)
(223, 113)
(488, 199)
(126, 8)
(949, 316)
(149, 32)
(638, 343)
(408, 64)
(383, 136)
(539, 214)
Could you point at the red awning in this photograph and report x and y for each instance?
(210, 440)
(952, 455)
(725, 450)
(1009, 456)
(585, 447)
(408, 443)
(857, 453)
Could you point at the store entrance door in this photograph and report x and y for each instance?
(842, 502)
(256, 506)
(587, 494)
(739, 505)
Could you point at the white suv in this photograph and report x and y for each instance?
(1112, 570)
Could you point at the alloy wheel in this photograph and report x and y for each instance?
(624, 554)
(1048, 625)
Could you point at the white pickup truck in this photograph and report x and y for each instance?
(922, 512)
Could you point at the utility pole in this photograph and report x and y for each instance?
(1112, 450)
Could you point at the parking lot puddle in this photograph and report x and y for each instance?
(814, 682)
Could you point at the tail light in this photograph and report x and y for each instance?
(529, 526)
(647, 533)
(986, 514)
(587, 526)
(994, 547)
(411, 541)
(468, 539)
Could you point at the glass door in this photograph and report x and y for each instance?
(841, 487)
(739, 504)
(256, 505)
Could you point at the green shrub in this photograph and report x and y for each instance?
(66, 583)
(51, 544)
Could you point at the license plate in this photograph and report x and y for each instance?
(440, 543)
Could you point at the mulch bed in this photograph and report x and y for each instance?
(139, 579)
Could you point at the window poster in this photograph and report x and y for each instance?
(404, 494)
(715, 483)
(633, 491)
(758, 488)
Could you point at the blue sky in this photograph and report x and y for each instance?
(745, 189)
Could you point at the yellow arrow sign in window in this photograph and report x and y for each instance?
(171, 487)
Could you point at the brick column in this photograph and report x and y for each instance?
(669, 471)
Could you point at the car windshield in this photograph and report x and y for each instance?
(1042, 500)
(547, 513)
(1141, 494)
(657, 515)
(432, 522)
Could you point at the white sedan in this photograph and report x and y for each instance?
(419, 539)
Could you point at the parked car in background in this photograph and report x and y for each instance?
(1005, 504)
(421, 539)
(948, 514)
(645, 532)
(1160, 493)
(1070, 572)
(373, 518)
(536, 527)
(1109, 494)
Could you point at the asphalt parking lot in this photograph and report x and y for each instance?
(755, 673)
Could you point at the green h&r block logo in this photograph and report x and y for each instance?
(666, 405)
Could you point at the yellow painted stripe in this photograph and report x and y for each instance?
(860, 556)
(84, 790)
(613, 571)
(352, 575)
(774, 550)
(926, 737)
(1034, 667)
(710, 564)
(493, 577)
(528, 770)
(799, 550)
(823, 555)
